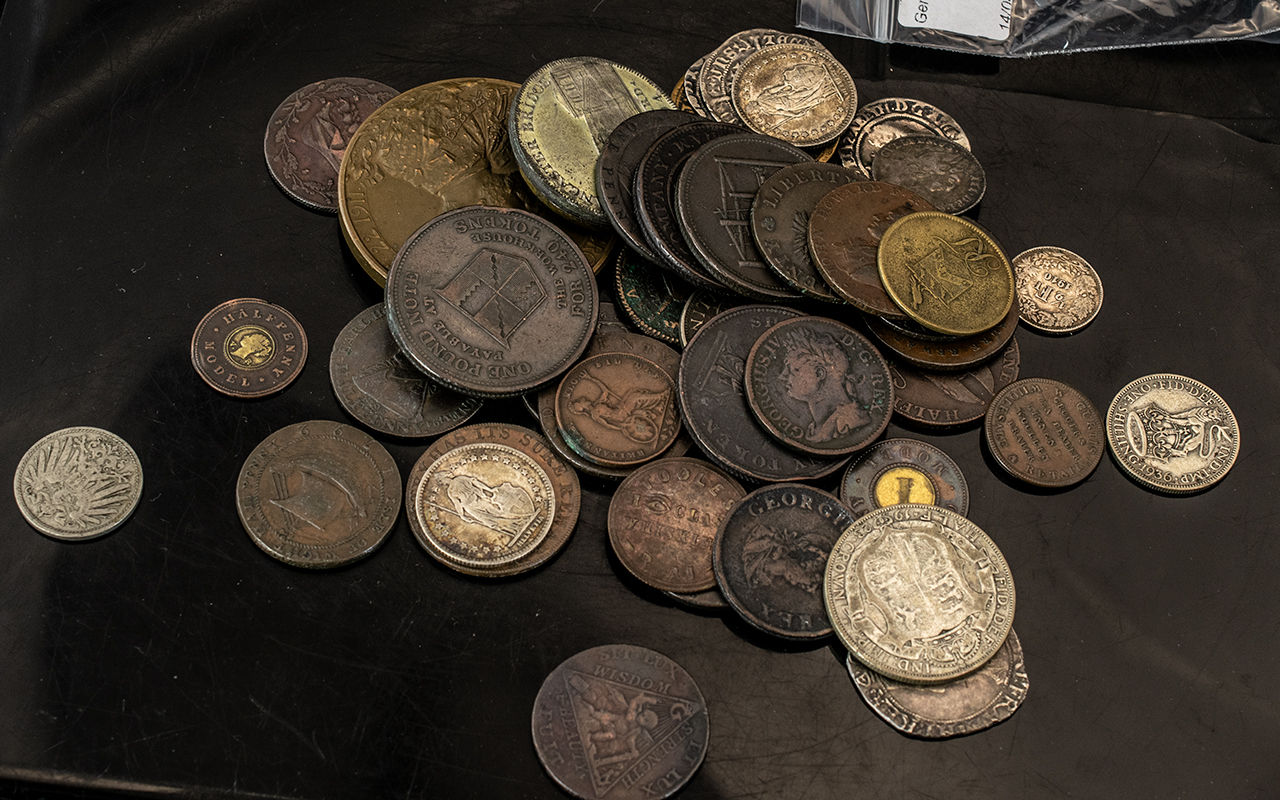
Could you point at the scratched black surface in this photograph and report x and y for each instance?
(173, 658)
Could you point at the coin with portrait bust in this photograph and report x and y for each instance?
(248, 348)
(881, 121)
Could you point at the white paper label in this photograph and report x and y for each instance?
(988, 19)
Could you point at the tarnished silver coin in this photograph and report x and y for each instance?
(1172, 433)
(966, 705)
(692, 94)
(796, 93)
(1058, 291)
(897, 471)
(377, 385)
(919, 593)
(937, 169)
(78, 483)
(318, 494)
(881, 121)
(722, 65)
(621, 722)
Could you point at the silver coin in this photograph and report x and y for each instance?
(969, 704)
(78, 483)
(881, 121)
(1172, 433)
(721, 67)
(692, 94)
(1058, 291)
(937, 169)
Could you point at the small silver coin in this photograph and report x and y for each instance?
(78, 483)
(937, 169)
(1058, 291)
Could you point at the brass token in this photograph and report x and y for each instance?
(1058, 292)
(896, 471)
(484, 505)
(564, 485)
(946, 273)
(1044, 432)
(1172, 433)
(796, 93)
(318, 494)
(248, 348)
(617, 409)
(919, 593)
(78, 483)
(559, 122)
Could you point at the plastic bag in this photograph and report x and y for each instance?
(1040, 27)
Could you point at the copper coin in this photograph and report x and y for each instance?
(652, 298)
(617, 409)
(714, 405)
(491, 301)
(780, 223)
(844, 238)
(564, 484)
(663, 520)
(377, 385)
(545, 401)
(701, 307)
(318, 494)
(637, 344)
(896, 471)
(620, 722)
(248, 348)
(943, 399)
(309, 132)
(771, 556)
(1044, 432)
(710, 600)
(947, 353)
(819, 386)
(937, 169)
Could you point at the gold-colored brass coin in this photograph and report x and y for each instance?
(946, 273)
(430, 150)
(559, 122)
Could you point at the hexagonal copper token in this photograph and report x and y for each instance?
(248, 348)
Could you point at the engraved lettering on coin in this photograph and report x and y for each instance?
(1044, 432)
(1058, 291)
(78, 483)
(881, 121)
(896, 471)
(617, 409)
(248, 348)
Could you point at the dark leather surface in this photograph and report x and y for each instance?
(174, 658)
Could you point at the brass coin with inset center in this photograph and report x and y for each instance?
(896, 471)
(248, 348)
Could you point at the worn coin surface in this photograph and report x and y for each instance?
(651, 297)
(819, 386)
(617, 409)
(545, 405)
(934, 351)
(937, 169)
(377, 385)
(713, 200)
(943, 399)
(897, 471)
(692, 95)
(564, 485)
(484, 505)
(491, 301)
(620, 722)
(780, 223)
(946, 273)
(713, 402)
(771, 555)
(700, 307)
(918, 593)
(560, 120)
(844, 235)
(663, 520)
(966, 705)
(1172, 433)
(248, 348)
(1058, 291)
(318, 494)
(78, 483)
(722, 65)
(797, 93)
(1044, 432)
(309, 133)
(616, 170)
(881, 121)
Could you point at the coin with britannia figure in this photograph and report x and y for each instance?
(78, 483)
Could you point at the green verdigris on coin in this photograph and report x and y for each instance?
(78, 483)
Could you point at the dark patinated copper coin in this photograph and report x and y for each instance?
(564, 485)
(655, 191)
(248, 348)
(663, 520)
(714, 406)
(713, 199)
(700, 307)
(710, 600)
(819, 386)
(620, 722)
(943, 353)
(652, 298)
(943, 399)
(771, 555)
(491, 301)
(844, 238)
(309, 133)
(545, 403)
(937, 169)
(897, 471)
(1044, 432)
(616, 169)
(617, 409)
(377, 385)
(780, 222)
